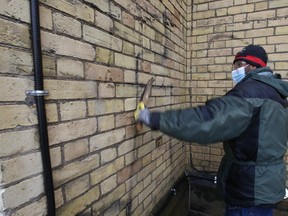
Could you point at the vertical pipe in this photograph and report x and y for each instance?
(40, 103)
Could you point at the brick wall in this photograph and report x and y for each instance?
(217, 30)
(97, 56)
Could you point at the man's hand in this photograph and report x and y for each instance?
(144, 117)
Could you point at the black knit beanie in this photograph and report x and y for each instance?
(252, 54)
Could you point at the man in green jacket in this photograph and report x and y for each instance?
(252, 122)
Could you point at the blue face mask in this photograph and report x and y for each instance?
(238, 74)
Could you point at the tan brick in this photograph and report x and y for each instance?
(126, 147)
(126, 90)
(103, 21)
(15, 62)
(106, 123)
(108, 200)
(130, 104)
(259, 15)
(18, 142)
(14, 88)
(51, 112)
(67, 25)
(281, 30)
(104, 55)
(108, 184)
(220, 4)
(72, 110)
(278, 4)
(125, 61)
(106, 170)
(101, 38)
(62, 45)
(72, 130)
(18, 9)
(14, 34)
(73, 150)
(108, 155)
(103, 73)
(21, 167)
(100, 107)
(59, 199)
(25, 190)
(260, 32)
(63, 89)
(79, 204)
(107, 7)
(34, 209)
(130, 35)
(74, 170)
(107, 139)
(147, 148)
(77, 9)
(77, 187)
(106, 90)
(70, 68)
(45, 18)
(241, 9)
(128, 48)
(55, 155)
(17, 115)
(128, 19)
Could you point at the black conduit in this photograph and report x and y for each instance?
(40, 103)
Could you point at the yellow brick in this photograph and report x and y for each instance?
(281, 30)
(108, 184)
(13, 89)
(241, 9)
(259, 15)
(103, 21)
(17, 115)
(34, 209)
(68, 47)
(130, 35)
(76, 149)
(104, 55)
(260, 32)
(69, 68)
(108, 155)
(77, 9)
(101, 38)
(79, 204)
(62, 89)
(30, 189)
(18, 9)
(74, 170)
(72, 110)
(45, 18)
(125, 61)
(107, 139)
(14, 34)
(106, 90)
(278, 4)
(106, 123)
(72, 130)
(100, 107)
(76, 187)
(67, 25)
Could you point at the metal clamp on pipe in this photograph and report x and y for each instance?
(37, 93)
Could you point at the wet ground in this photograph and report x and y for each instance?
(203, 200)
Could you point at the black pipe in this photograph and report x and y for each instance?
(40, 103)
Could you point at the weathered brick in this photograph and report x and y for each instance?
(46, 20)
(18, 9)
(107, 139)
(79, 204)
(55, 155)
(108, 155)
(77, 187)
(125, 61)
(14, 34)
(76, 169)
(130, 35)
(101, 38)
(106, 90)
(72, 130)
(108, 184)
(107, 7)
(76, 9)
(25, 190)
(101, 107)
(62, 45)
(70, 68)
(103, 21)
(20, 167)
(15, 62)
(106, 123)
(106, 170)
(13, 116)
(34, 209)
(104, 55)
(72, 90)
(67, 25)
(73, 150)
(103, 73)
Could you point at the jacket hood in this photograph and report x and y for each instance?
(266, 75)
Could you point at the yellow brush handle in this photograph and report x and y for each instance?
(140, 106)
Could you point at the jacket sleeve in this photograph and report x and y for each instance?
(220, 119)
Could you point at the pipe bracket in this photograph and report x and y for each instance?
(37, 93)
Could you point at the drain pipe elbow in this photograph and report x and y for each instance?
(40, 104)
